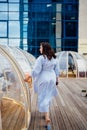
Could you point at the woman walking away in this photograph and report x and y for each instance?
(45, 77)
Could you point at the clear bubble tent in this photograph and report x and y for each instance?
(72, 64)
(15, 93)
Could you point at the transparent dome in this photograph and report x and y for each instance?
(15, 97)
(72, 64)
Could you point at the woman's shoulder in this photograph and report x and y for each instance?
(41, 57)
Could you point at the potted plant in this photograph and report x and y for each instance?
(83, 92)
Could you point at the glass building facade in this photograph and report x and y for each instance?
(26, 23)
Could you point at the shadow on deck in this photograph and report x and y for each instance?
(68, 111)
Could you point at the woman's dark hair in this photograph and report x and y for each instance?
(47, 50)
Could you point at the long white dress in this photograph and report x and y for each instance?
(44, 78)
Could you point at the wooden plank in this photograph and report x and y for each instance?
(18, 121)
(13, 118)
(11, 122)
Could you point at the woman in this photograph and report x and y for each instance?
(45, 77)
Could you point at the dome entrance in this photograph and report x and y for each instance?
(72, 64)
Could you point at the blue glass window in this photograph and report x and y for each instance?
(3, 29)
(25, 27)
(25, 14)
(14, 29)
(13, 16)
(71, 28)
(3, 15)
(3, 7)
(14, 42)
(13, 7)
(25, 41)
(3, 0)
(3, 41)
(25, 7)
(13, 1)
(24, 34)
(25, 1)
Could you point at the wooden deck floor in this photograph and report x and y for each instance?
(12, 115)
(68, 111)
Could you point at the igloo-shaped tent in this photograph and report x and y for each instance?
(72, 64)
(15, 98)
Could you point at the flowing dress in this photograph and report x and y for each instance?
(44, 76)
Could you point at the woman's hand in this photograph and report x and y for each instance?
(56, 82)
(28, 78)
